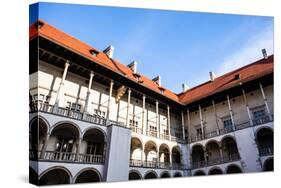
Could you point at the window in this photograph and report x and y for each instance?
(166, 132)
(227, 124)
(73, 106)
(258, 114)
(99, 113)
(199, 132)
(152, 128)
(133, 123)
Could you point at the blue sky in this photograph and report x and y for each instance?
(179, 46)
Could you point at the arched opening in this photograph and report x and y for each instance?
(55, 176)
(165, 175)
(177, 174)
(233, 169)
(213, 153)
(33, 176)
(136, 152)
(150, 150)
(133, 175)
(198, 159)
(229, 149)
(176, 157)
(37, 136)
(150, 175)
(199, 173)
(65, 137)
(164, 156)
(94, 146)
(88, 176)
(265, 141)
(268, 165)
(215, 171)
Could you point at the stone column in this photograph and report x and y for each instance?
(42, 154)
(216, 117)
(143, 113)
(128, 107)
(78, 148)
(230, 112)
(169, 121)
(60, 92)
(201, 121)
(109, 99)
(247, 106)
(171, 160)
(182, 123)
(157, 119)
(188, 125)
(265, 100)
(88, 98)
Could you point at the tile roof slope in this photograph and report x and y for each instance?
(77, 46)
(226, 81)
(247, 73)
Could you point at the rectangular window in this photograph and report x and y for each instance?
(199, 132)
(258, 114)
(227, 124)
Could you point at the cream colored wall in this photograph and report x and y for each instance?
(49, 79)
(238, 105)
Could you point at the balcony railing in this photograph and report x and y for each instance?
(136, 129)
(218, 132)
(151, 133)
(261, 120)
(265, 151)
(96, 119)
(68, 157)
(217, 161)
(155, 164)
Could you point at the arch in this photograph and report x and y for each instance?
(55, 175)
(38, 130)
(150, 175)
(268, 165)
(97, 128)
(177, 174)
(88, 175)
(197, 153)
(215, 171)
(165, 174)
(134, 175)
(229, 148)
(233, 169)
(41, 118)
(264, 137)
(96, 141)
(164, 153)
(70, 124)
(199, 173)
(150, 149)
(212, 151)
(197, 145)
(33, 176)
(136, 151)
(176, 155)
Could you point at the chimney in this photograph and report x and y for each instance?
(157, 80)
(133, 66)
(264, 53)
(212, 76)
(184, 87)
(109, 51)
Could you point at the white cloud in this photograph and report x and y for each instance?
(249, 52)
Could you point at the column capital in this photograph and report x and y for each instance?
(92, 74)
(111, 82)
(143, 96)
(67, 63)
(129, 90)
(157, 102)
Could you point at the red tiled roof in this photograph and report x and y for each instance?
(247, 73)
(77, 46)
(226, 81)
